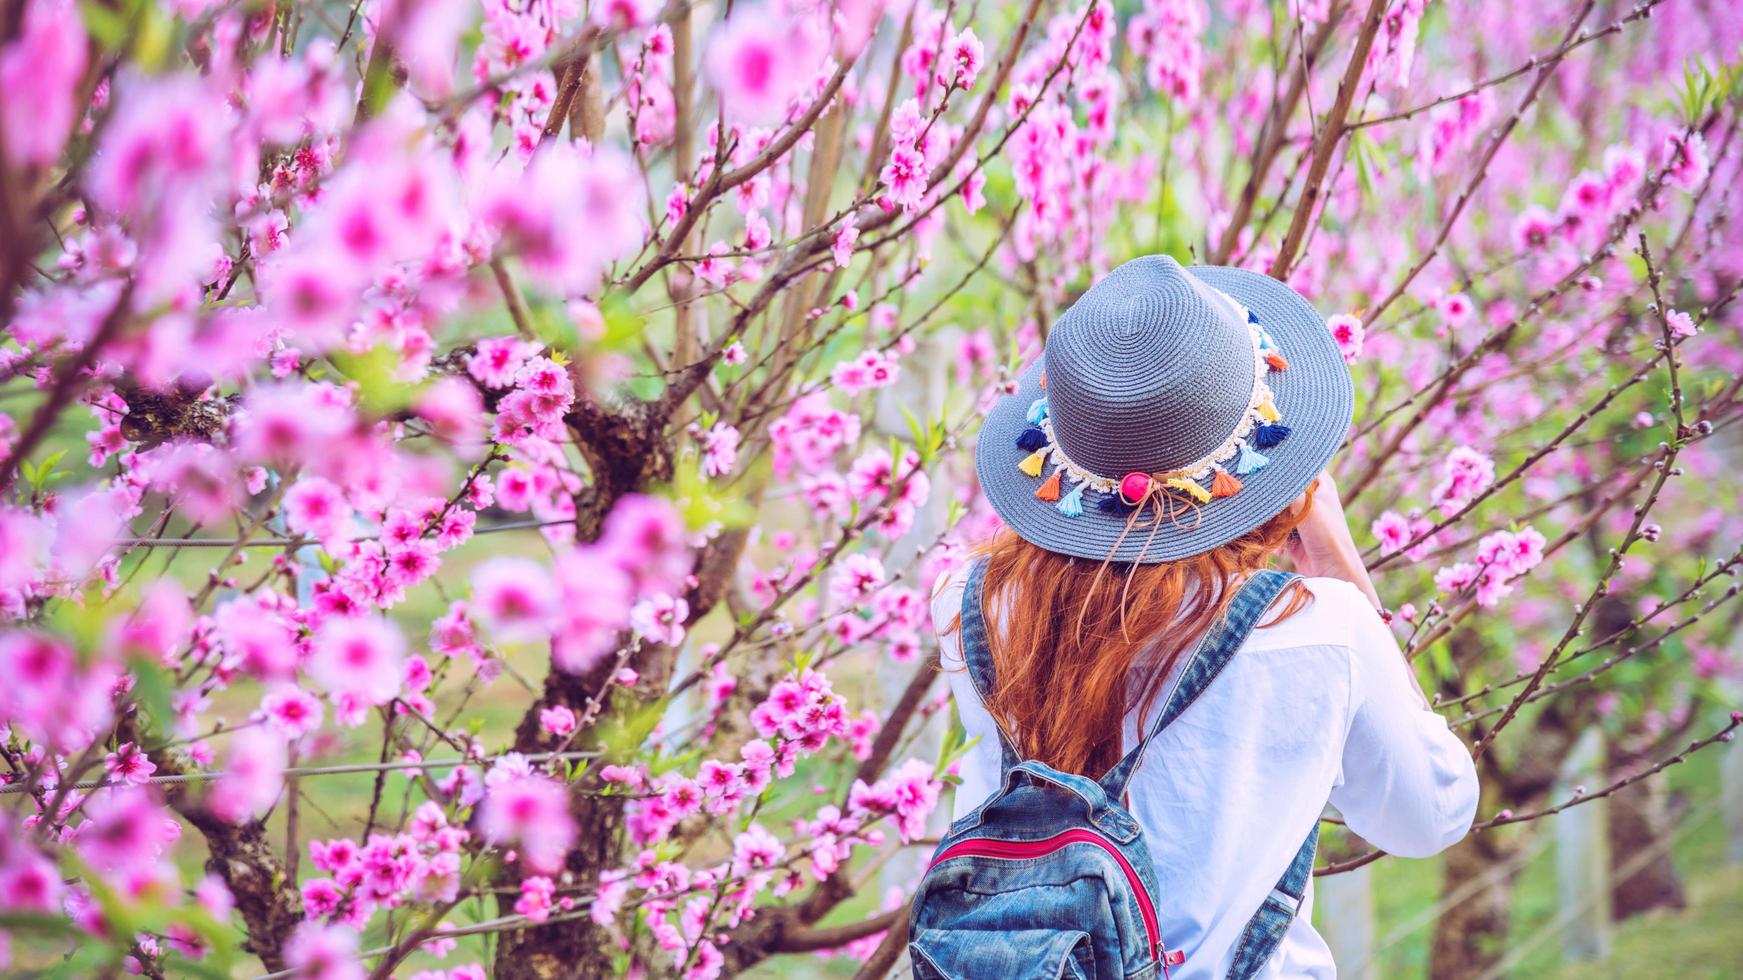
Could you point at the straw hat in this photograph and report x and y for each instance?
(1174, 410)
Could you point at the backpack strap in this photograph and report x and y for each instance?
(979, 658)
(1214, 651)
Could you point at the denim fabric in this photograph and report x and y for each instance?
(1041, 906)
(1268, 925)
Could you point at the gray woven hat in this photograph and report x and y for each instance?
(1174, 410)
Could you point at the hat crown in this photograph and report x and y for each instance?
(1148, 371)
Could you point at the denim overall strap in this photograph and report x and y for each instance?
(1214, 651)
(979, 659)
(1264, 932)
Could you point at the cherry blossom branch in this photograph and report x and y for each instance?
(1549, 690)
(1640, 11)
(1666, 469)
(1482, 171)
(722, 181)
(1506, 817)
(1726, 568)
(1438, 389)
(1337, 124)
(69, 381)
(1271, 139)
(200, 776)
(1531, 459)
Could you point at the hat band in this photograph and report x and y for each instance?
(1260, 425)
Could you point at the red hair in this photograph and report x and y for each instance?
(1065, 632)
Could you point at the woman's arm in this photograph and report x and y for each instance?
(1322, 545)
(1407, 784)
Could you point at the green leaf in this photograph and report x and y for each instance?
(91, 958)
(624, 327)
(152, 686)
(106, 25)
(916, 431)
(554, 329)
(702, 507)
(623, 734)
(378, 83)
(379, 392)
(153, 38)
(1364, 151)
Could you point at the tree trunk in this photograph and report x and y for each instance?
(1471, 936)
(627, 449)
(576, 947)
(1641, 818)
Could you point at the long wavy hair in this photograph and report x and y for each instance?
(1065, 634)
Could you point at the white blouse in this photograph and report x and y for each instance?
(1316, 708)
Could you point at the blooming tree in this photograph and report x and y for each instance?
(464, 486)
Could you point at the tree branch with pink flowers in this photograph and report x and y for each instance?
(472, 474)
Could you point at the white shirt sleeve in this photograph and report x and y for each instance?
(1408, 785)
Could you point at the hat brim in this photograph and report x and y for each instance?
(1315, 395)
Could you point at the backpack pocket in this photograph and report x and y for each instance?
(1026, 954)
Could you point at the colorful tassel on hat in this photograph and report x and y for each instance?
(1190, 487)
(1250, 461)
(1049, 491)
(1110, 503)
(1276, 361)
(1071, 505)
(1032, 464)
(1268, 410)
(1043, 380)
(1252, 317)
(1038, 410)
(1031, 439)
(1224, 485)
(1268, 434)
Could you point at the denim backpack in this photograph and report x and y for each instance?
(1050, 877)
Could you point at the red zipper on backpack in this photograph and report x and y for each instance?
(1018, 849)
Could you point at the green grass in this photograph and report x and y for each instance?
(1699, 944)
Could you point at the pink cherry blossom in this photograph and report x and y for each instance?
(1392, 530)
(514, 598)
(1681, 324)
(128, 764)
(360, 656)
(316, 507)
(320, 952)
(905, 177)
(719, 450)
(291, 711)
(557, 719)
(1464, 473)
(40, 71)
(253, 776)
(1347, 332)
(841, 247)
(758, 65)
(1685, 161)
(660, 619)
(531, 811)
(962, 60)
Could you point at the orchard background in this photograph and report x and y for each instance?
(471, 473)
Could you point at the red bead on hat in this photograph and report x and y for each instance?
(1133, 488)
